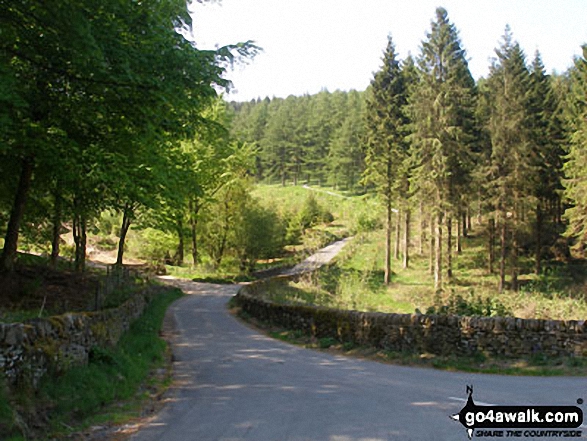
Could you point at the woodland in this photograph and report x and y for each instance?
(507, 151)
(111, 118)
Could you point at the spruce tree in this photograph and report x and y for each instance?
(441, 109)
(385, 137)
(576, 166)
(547, 137)
(512, 166)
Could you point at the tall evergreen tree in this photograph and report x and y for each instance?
(547, 137)
(441, 109)
(576, 166)
(385, 138)
(512, 165)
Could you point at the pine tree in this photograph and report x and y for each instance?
(512, 165)
(547, 136)
(441, 109)
(576, 166)
(385, 138)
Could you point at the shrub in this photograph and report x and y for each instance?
(154, 245)
(471, 305)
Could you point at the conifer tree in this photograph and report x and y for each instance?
(385, 138)
(547, 136)
(512, 167)
(441, 109)
(576, 166)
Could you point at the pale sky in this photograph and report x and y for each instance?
(309, 45)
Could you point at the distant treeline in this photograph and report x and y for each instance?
(312, 138)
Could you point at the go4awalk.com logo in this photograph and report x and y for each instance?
(520, 421)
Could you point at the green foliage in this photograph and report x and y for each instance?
(367, 221)
(153, 245)
(259, 233)
(326, 342)
(310, 138)
(89, 119)
(313, 213)
(469, 305)
(7, 425)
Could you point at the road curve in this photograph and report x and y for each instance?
(234, 384)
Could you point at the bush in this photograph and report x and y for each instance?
(313, 213)
(470, 305)
(153, 245)
(259, 234)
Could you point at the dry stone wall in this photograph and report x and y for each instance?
(30, 349)
(435, 334)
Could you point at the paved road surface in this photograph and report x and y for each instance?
(321, 257)
(233, 384)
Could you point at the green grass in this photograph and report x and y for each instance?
(352, 213)
(108, 388)
(355, 281)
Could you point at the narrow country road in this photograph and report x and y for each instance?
(234, 384)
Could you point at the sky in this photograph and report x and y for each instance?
(310, 45)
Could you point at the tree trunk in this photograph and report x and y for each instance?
(449, 248)
(432, 246)
(459, 236)
(397, 235)
(538, 255)
(56, 230)
(194, 209)
(491, 245)
(503, 251)
(126, 221)
(438, 255)
(387, 275)
(80, 239)
(422, 236)
(479, 206)
(469, 222)
(407, 239)
(179, 254)
(515, 245)
(9, 252)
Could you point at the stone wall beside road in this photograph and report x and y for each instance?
(434, 334)
(30, 349)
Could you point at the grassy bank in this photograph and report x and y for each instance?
(111, 389)
(355, 281)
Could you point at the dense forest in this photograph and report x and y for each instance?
(444, 149)
(108, 107)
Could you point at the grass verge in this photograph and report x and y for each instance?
(111, 389)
